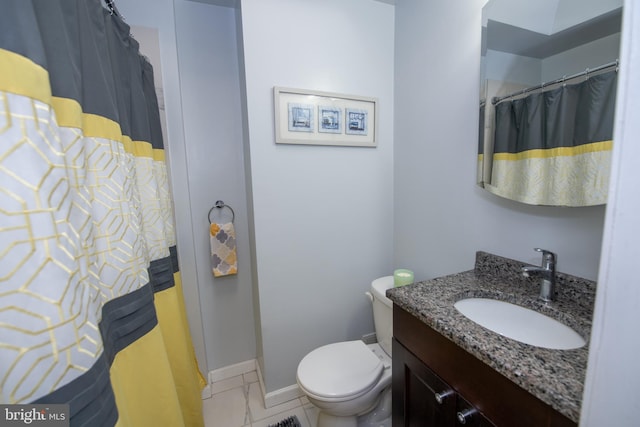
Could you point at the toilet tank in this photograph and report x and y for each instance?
(382, 311)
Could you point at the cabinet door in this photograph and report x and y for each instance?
(420, 397)
(468, 416)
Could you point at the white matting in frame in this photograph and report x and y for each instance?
(323, 118)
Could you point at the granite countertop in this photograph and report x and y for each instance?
(554, 376)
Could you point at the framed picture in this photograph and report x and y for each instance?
(357, 121)
(300, 117)
(323, 118)
(329, 119)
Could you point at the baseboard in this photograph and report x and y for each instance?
(232, 371)
(270, 399)
(279, 396)
(206, 392)
(282, 395)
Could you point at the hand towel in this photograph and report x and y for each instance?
(223, 249)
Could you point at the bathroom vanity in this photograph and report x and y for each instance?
(449, 370)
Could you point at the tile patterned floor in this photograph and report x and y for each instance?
(238, 402)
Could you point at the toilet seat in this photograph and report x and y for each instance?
(339, 371)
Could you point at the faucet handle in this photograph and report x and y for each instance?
(545, 252)
(548, 257)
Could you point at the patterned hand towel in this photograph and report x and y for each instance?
(223, 249)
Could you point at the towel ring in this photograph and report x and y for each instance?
(219, 205)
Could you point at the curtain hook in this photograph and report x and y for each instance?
(564, 83)
(587, 74)
(113, 9)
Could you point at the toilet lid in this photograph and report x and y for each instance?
(339, 370)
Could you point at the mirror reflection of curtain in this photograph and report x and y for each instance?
(91, 303)
(554, 148)
(480, 167)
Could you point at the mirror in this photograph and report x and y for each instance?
(531, 48)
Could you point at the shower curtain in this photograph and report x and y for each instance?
(91, 308)
(554, 148)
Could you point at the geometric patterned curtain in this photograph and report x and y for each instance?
(91, 308)
(554, 147)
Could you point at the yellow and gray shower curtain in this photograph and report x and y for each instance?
(91, 308)
(554, 147)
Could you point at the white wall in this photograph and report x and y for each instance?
(323, 216)
(512, 68)
(209, 75)
(590, 55)
(202, 100)
(441, 218)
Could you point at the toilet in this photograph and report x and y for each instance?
(350, 381)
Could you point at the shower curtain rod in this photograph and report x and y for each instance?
(496, 99)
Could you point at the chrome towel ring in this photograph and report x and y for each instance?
(219, 205)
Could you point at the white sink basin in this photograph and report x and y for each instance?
(519, 323)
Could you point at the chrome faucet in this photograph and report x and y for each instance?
(547, 273)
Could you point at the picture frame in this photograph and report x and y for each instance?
(329, 119)
(309, 117)
(357, 121)
(300, 117)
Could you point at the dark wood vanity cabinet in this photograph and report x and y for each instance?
(435, 382)
(416, 392)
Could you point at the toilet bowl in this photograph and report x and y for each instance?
(350, 382)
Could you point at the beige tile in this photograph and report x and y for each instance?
(304, 400)
(259, 412)
(226, 409)
(298, 412)
(228, 384)
(310, 411)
